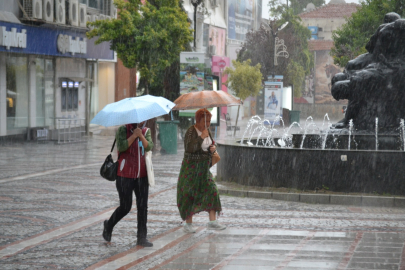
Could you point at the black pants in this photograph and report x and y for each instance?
(125, 186)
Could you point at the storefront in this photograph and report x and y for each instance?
(46, 74)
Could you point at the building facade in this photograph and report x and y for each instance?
(49, 70)
(220, 32)
(316, 98)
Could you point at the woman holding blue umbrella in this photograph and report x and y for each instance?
(132, 142)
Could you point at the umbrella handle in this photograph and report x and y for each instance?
(171, 113)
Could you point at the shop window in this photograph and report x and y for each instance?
(69, 95)
(93, 3)
(63, 96)
(101, 5)
(44, 92)
(75, 96)
(17, 92)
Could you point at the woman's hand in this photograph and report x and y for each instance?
(137, 133)
(212, 148)
(204, 134)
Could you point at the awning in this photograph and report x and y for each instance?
(78, 79)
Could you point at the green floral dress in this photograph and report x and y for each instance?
(196, 190)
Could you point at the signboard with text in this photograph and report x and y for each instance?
(27, 39)
(273, 94)
(241, 18)
(192, 66)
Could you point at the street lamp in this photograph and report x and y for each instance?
(278, 44)
(195, 3)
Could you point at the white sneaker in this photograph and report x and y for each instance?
(188, 228)
(215, 225)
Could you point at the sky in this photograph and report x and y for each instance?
(265, 10)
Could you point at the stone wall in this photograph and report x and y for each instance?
(308, 169)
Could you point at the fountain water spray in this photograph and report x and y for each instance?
(402, 125)
(264, 130)
(254, 120)
(376, 133)
(268, 135)
(308, 127)
(323, 123)
(350, 131)
(326, 130)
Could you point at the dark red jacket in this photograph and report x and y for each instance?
(134, 165)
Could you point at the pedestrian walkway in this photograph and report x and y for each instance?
(53, 203)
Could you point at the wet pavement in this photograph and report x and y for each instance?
(53, 203)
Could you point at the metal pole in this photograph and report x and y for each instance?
(273, 72)
(195, 26)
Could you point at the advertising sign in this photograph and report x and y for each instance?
(191, 72)
(241, 17)
(273, 94)
(313, 29)
(19, 38)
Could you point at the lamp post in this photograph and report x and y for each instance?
(195, 3)
(278, 43)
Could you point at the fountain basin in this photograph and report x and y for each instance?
(341, 141)
(365, 171)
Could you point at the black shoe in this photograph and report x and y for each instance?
(106, 233)
(144, 242)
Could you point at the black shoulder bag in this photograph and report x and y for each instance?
(109, 168)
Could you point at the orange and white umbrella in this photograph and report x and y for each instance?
(205, 99)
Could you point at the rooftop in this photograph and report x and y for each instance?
(331, 11)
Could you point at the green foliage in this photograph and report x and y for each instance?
(350, 40)
(259, 47)
(148, 36)
(278, 7)
(297, 77)
(245, 80)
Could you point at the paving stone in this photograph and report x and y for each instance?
(260, 195)
(294, 197)
(51, 217)
(399, 202)
(315, 198)
(377, 201)
(237, 193)
(345, 200)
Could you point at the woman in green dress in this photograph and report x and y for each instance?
(196, 190)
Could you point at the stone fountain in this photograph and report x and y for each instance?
(364, 152)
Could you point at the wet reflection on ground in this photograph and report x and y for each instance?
(53, 203)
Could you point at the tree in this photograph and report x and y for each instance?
(148, 36)
(278, 7)
(245, 80)
(350, 40)
(259, 47)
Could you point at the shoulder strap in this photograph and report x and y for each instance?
(209, 133)
(112, 148)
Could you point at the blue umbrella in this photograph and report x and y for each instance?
(132, 110)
